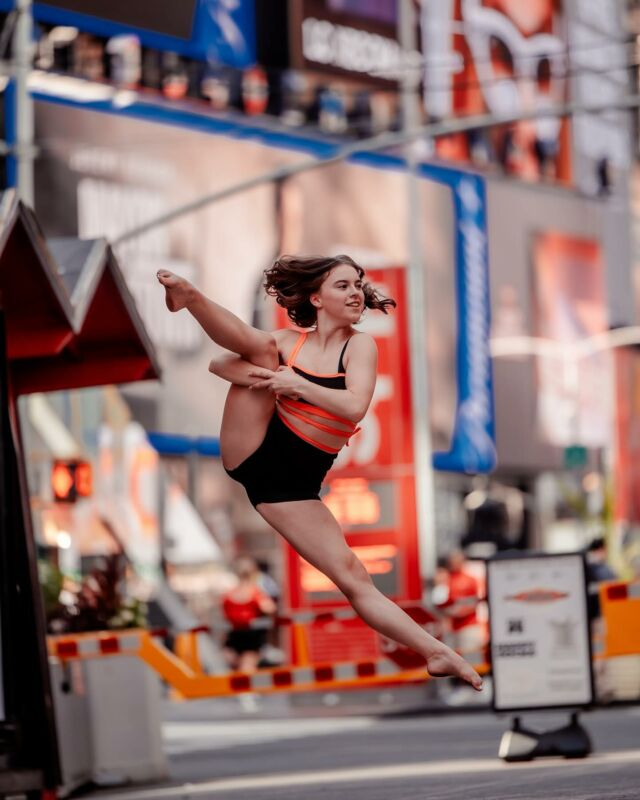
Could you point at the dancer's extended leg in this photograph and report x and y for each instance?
(246, 413)
(313, 531)
(219, 323)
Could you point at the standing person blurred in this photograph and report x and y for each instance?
(598, 571)
(272, 654)
(242, 605)
(462, 592)
(266, 581)
(440, 588)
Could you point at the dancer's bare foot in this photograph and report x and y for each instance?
(446, 662)
(179, 292)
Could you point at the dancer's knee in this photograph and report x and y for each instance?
(262, 350)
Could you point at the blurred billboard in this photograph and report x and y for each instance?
(503, 57)
(175, 19)
(102, 174)
(625, 542)
(216, 30)
(559, 270)
(508, 57)
(570, 304)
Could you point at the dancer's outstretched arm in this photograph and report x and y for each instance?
(233, 368)
(238, 370)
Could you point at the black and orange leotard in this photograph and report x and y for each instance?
(290, 463)
(290, 410)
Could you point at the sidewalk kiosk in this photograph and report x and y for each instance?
(53, 328)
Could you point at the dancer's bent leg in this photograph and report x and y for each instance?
(314, 533)
(246, 412)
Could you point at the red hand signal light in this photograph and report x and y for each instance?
(71, 479)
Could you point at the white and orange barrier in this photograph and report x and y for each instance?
(620, 612)
(620, 606)
(193, 684)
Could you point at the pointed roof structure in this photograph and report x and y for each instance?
(36, 306)
(71, 319)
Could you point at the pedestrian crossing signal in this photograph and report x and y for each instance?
(70, 480)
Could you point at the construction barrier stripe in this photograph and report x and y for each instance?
(87, 645)
(288, 678)
(620, 611)
(110, 644)
(622, 591)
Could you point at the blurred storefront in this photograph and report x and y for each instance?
(559, 270)
(559, 261)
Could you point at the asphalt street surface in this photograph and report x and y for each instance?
(287, 756)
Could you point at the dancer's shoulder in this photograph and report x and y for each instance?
(362, 350)
(283, 335)
(362, 342)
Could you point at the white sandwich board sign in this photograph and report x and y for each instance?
(540, 641)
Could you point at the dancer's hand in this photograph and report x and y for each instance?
(284, 381)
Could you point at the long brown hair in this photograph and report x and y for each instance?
(293, 279)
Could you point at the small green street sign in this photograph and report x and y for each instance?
(575, 457)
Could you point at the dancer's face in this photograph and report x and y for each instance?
(341, 295)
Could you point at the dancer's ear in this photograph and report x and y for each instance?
(315, 301)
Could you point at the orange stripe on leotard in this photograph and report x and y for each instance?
(294, 407)
(316, 411)
(315, 423)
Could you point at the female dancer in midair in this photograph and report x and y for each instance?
(289, 412)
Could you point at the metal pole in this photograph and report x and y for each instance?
(417, 303)
(22, 59)
(383, 141)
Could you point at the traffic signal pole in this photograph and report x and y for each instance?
(23, 148)
(417, 302)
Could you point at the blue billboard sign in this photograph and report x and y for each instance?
(220, 31)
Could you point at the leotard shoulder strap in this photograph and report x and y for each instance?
(292, 356)
(342, 352)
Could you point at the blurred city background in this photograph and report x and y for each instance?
(180, 135)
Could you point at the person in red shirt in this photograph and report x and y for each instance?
(242, 605)
(461, 605)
